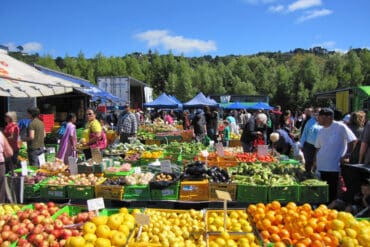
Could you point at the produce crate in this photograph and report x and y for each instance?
(82, 168)
(187, 134)
(53, 191)
(194, 190)
(287, 193)
(82, 191)
(226, 163)
(227, 187)
(220, 212)
(314, 194)
(137, 192)
(108, 211)
(169, 193)
(251, 193)
(31, 190)
(119, 174)
(152, 142)
(175, 158)
(112, 192)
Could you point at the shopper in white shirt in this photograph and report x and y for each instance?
(332, 141)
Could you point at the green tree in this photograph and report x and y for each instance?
(47, 61)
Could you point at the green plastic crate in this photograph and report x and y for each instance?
(80, 191)
(251, 193)
(70, 210)
(31, 190)
(137, 192)
(169, 193)
(79, 133)
(53, 191)
(288, 193)
(119, 174)
(108, 211)
(314, 194)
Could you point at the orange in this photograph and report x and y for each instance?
(284, 233)
(273, 229)
(252, 208)
(315, 236)
(308, 230)
(300, 245)
(275, 205)
(274, 237)
(279, 244)
(307, 207)
(266, 223)
(317, 243)
(265, 234)
(291, 205)
(305, 241)
(260, 205)
(278, 219)
(320, 227)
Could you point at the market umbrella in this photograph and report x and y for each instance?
(18, 79)
(261, 106)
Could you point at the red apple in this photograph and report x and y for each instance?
(30, 226)
(66, 233)
(48, 221)
(22, 242)
(58, 224)
(40, 206)
(5, 234)
(75, 232)
(39, 239)
(15, 228)
(57, 233)
(6, 228)
(51, 238)
(26, 221)
(49, 228)
(13, 237)
(62, 242)
(38, 219)
(45, 212)
(6, 243)
(50, 204)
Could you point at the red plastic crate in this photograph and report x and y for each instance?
(48, 120)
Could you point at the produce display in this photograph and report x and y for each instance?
(236, 221)
(122, 168)
(139, 178)
(9, 209)
(35, 178)
(78, 179)
(304, 226)
(173, 228)
(56, 166)
(105, 231)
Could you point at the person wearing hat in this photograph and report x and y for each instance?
(331, 144)
(127, 125)
(11, 132)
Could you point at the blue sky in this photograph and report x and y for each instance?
(189, 27)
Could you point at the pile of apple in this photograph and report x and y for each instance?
(36, 227)
(77, 179)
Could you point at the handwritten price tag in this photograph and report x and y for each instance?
(137, 170)
(223, 195)
(166, 166)
(142, 219)
(95, 204)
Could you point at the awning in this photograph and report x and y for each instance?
(18, 79)
(85, 86)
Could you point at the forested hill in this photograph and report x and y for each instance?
(289, 78)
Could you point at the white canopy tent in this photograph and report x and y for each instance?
(20, 80)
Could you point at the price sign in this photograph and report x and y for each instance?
(96, 155)
(137, 170)
(220, 149)
(142, 219)
(95, 204)
(24, 168)
(223, 195)
(166, 166)
(41, 158)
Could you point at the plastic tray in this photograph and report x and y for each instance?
(288, 193)
(252, 193)
(169, 193)
(314, 194)
(137, 192)
(227, 187)
(194, 190)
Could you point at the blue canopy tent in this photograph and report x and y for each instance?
(163, 101)
(176, 100)
(261, 106)
(237, 106)
(200, 100)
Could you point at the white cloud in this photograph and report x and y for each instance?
(255, 2)
(175, 43)
(28, 47)
(326, 44)
(303, 4)
(314, 14)
(276, 8)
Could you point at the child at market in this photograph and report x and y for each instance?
(297, 151)
(360, 206)
(226, 134)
